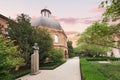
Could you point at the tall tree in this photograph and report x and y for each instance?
(70, 49)
(91, 49)
(112, 13)
(44, 40)
(21, 31)
(98, 34)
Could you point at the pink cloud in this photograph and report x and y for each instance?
(97, 9)
(55, 17)
(33, 17)
(71, 32)
(70, 20)
(89, 20)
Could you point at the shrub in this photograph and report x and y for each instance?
(71, 55)
(103, 59)
(56, 55)
(9, 57)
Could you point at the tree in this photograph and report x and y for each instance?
(26, 35)
(99, 34)
(112, 9)
(70, 49)
(44, 40)
(112, 13)
(9, 57)
(91, 50)
(21, 31)
(96, 39)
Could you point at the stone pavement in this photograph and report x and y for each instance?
(68, 71)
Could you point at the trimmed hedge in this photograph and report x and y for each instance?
(90, 72)
(103, 59)
(51, 66)
(26, 69)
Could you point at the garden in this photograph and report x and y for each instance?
(15, 51)
(93, 70)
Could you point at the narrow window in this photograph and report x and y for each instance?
(56, 38)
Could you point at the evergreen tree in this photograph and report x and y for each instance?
(21, 31)
(70, 49)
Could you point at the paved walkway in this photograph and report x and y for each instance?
(68, 71)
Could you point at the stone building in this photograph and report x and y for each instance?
(45, 21)
(57, 33)
(3, 24)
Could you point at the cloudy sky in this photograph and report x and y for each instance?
(73, 15)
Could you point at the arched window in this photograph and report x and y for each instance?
(56, 38)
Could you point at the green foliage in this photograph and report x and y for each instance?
(102, 59)
(44, 40)
(112, 10)
(97, 34)
(56, 55)
(91, 50)
(90, 72)
(25, 36)
(21, 32)
(70, 49)
(97, 39)
(9, 57)
(51, 65)
(116, 33)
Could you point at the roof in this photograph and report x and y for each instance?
(46, 22)
(45, 10)
(3, 17)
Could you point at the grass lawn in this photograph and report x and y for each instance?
(92, 70)
(109, 70)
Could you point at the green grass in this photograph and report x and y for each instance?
(90, 72)
(111, 70)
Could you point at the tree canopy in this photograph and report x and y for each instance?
(44, 40)
(26, 35)
(112, 9)
(99, 34)
(21, 31)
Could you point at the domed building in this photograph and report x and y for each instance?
(57, 33)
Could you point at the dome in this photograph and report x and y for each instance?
(45, 20)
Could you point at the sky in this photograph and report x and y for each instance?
(73, 15)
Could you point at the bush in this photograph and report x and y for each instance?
(56, 55)
(103, 59)
(71, 55)
(9, 57)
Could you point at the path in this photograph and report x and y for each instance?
(68, 71)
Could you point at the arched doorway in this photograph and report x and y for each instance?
(66, 54)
